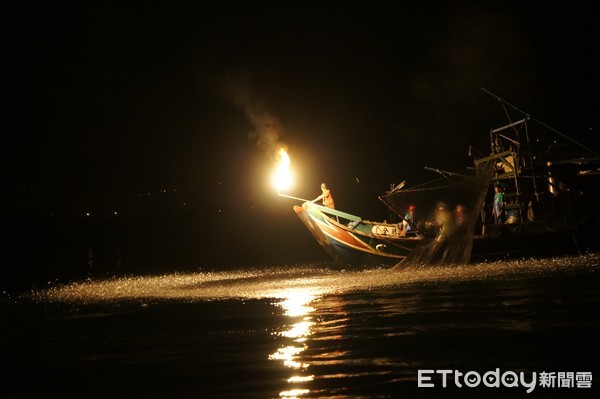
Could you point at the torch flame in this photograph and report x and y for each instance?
(282, 177)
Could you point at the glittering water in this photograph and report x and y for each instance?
(281, 281)
(302, 331)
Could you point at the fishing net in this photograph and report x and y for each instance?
(446, 214)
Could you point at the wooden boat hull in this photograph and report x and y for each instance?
(355, 242)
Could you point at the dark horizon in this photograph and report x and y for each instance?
(107, 104)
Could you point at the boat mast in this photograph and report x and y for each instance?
(514, 156)
(528, 116)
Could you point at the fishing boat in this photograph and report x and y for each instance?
(349, 239)
(549, 207)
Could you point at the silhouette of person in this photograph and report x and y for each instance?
(460, 215)
(444, 221)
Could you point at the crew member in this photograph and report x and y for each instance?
(409, 220)
(326, 197)
(498, 206)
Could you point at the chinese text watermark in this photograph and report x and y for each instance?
(509, 379)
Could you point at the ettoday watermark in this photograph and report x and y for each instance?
(508, 379)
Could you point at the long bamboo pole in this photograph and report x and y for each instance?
(294, 198)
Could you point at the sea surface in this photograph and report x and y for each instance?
(310, 330)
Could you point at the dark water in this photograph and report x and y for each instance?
(303, 331)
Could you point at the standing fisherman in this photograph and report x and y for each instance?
(498, 207)
(326, 197)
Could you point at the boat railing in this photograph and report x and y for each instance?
(335, 212)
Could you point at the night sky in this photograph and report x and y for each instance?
(105, 102)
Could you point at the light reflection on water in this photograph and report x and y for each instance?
(296, 306)
(371, 327)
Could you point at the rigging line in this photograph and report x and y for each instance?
(444, 187)
(541, 123)
(515, 127)
(567, 137)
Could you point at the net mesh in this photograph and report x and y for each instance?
(446, 213)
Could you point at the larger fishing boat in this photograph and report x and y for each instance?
(549, 207)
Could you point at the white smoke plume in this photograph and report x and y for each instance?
(268, 131)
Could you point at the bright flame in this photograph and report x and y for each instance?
(282, 177)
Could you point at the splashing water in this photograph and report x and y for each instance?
(282, 282)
